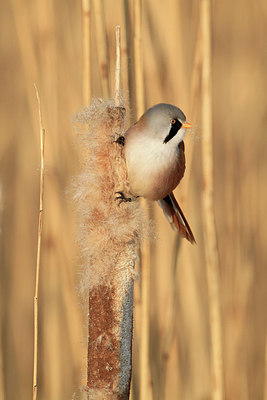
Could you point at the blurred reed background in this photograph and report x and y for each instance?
(41, 42)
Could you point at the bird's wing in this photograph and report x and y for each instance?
(176, 218)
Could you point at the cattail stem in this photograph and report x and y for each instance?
(211, 250)
(109, 234)
(37, 278)
(109, 344)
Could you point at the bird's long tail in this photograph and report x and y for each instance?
(176, 218)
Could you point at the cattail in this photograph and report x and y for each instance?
(109, 234)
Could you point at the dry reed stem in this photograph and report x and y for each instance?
(196, 75)
(138, 60)
(193, 107)
(211, 251)
(2, 381)
(145, 373)
(170, 330)
(131, 391)
(126, 51)
(2, 387)
(118, 66)
(26, 47)
(265, 372)
(37, 278)
(102, 46)
(86, 23)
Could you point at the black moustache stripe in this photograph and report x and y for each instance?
(173, 131)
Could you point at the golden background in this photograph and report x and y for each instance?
(41, 43)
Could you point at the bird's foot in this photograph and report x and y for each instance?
(122, 198)
(121, 141)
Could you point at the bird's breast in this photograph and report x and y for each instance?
(154, 169)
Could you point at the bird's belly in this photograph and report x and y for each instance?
(156, 176)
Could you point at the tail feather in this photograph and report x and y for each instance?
(176, 218)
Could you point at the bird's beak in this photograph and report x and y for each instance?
(187, 125)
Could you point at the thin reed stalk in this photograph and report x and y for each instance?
(138, 60)
(211, 249)
(265, 372)
(169, 336)
(118, 66)
(39, 242)
(102, 46)
(86, 24)
(196, 75)
(26, 48)
(2, 382)
(144, 372)
(127, 52)
(195, 90)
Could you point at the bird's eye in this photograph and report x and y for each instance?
(173, 121)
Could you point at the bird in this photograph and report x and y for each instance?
(155, 161)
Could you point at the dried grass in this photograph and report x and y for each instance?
(38, 257)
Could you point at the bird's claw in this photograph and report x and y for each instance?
(122, 198)
(120, 140)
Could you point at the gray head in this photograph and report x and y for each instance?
(166, 122)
